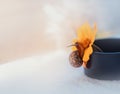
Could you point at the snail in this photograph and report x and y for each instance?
(75, 57)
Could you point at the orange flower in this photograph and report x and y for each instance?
(85, 39)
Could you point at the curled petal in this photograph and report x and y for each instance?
(88, 51)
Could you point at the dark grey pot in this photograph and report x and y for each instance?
(105, 65)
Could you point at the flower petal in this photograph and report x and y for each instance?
(87, 54)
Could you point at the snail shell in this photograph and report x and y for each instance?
(75, 59)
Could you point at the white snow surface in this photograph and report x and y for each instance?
(50, 74)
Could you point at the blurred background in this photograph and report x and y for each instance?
(34, 35)
(30, 27)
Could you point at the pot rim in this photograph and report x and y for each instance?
(110, 52)
(106, 53)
